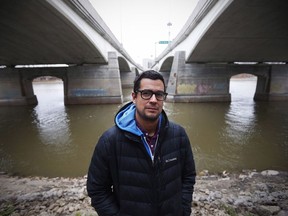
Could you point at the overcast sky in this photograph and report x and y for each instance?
(140, 24)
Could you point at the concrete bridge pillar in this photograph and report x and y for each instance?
(14, 90)
(127, 78)
(262, 88)
(279, 83)
(94, 84)
(196, 82)
(210, 82)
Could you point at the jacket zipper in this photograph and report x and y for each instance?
(149, 149)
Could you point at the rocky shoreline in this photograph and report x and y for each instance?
(247, 193)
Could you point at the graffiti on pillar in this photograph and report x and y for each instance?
(88, 92)
(279, 85)
(201, 86)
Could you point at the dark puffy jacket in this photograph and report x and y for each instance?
(124, 180)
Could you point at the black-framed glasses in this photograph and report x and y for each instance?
(146, 94)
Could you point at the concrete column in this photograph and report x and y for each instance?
(95, 84)
(128, 77)
(28, 91)
(197, 82)
(279, 83)
(178, 66)
(262, 88)
(14, 90)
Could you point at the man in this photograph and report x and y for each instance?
(144, 164)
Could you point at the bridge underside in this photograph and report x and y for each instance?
(33, 32)
(247, 31)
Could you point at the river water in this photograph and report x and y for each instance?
(52, 140)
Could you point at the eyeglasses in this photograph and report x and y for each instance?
(146, 94)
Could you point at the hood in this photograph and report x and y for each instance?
(125, 119)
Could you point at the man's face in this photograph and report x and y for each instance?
(148, 109)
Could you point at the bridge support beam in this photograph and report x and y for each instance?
(99, 84)
(279, 83)
(210, 82)
(95, 84)
(196, 82)
(14, 90)
(128, 77)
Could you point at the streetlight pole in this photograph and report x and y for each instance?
(169, 24)
(155, 49)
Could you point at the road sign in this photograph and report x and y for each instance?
(164, 42)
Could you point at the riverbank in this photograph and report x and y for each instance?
(247, 193)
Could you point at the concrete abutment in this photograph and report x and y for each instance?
(12, 88)
(93, 84)
(192, 82)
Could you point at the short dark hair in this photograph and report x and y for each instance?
(149, 74)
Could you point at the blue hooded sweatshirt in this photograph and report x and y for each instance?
(125, 120)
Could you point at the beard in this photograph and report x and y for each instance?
(151, 117)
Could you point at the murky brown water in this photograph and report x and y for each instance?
(53, 140)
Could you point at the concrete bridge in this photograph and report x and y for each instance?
(60, 32)
(217, 41)
(223, 38)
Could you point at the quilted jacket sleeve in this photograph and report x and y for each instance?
(188, 175)
(99, 181)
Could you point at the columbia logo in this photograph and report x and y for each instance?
(170, 160)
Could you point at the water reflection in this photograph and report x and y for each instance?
(240, 125)
(241, 117)
(51, 119)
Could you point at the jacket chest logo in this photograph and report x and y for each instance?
(170, 160)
